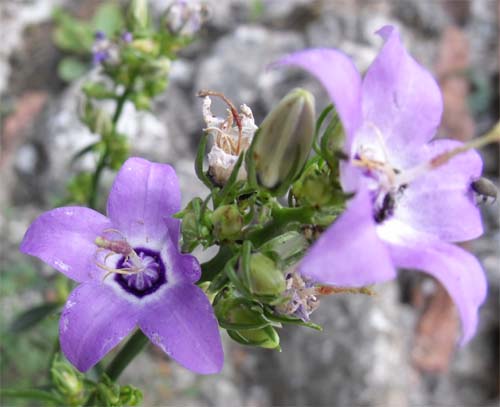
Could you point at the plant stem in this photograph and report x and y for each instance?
(132, 348)
(212, 267)
(101, 165)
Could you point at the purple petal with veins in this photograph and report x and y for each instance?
(389, 120)
(131, 271)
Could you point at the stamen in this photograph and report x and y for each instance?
(441, 159)
(380, 137)
(493, 136)
(330, 290)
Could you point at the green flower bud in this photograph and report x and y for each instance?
(227, 222)
(130, 396)
(66, 379)
(282, 145)
(265, 277)
(316, 188)
(158, 68)
(238, 313)
(141, 101)
(138, 16)
(145, 46)
(265, 337)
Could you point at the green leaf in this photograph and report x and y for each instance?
(71, 34)
(33, 316)
(198, 164)
(285, 319)
(109, 19)
(71, 68)
(33, 394)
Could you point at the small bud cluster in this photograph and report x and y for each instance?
(249, 168)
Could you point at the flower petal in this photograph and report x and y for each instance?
(349, 253)
(401, 99)
(180, 267)
(183, 324)
(442, 202)
(340, 78)
(64, 239)
(458, 270)
(93, 322)
(142, 200)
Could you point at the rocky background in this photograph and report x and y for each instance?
(396, 349)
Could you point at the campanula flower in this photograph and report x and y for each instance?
(130, 272)
(407, 207)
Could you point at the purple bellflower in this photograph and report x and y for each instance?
(407, 208)
(130, 272)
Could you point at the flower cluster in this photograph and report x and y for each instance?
(378, 194)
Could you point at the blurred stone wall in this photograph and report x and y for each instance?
(394, 349)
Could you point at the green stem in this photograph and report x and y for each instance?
(215, 265)
(102, 163)
(132, 348)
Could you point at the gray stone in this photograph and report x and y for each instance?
(237, 66)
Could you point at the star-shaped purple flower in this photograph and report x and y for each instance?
(405, 211)
(130, 271)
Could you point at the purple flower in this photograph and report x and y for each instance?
(406, 209)
(130, 271)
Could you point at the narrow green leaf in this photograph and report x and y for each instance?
(33, 316)
(32, 394)
(71, 68)
(108, 19)
(198, 164)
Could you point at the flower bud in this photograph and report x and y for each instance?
(158, 68)
(315, 188)
(138, 15)
(145, 45)
(282, 145)
(66, 379)
(130, 396)
(238, 313)
(265, 337)
(265, 277)
(227, 222)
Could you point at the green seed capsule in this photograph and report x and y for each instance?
(265, 277)
(227, 221)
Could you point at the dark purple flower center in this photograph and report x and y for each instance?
(149, 274)
(385, 205)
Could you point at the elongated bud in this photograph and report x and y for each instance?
(265, 277)
(282, 145)
(227, 221)
(265, 337)
(138, 16)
